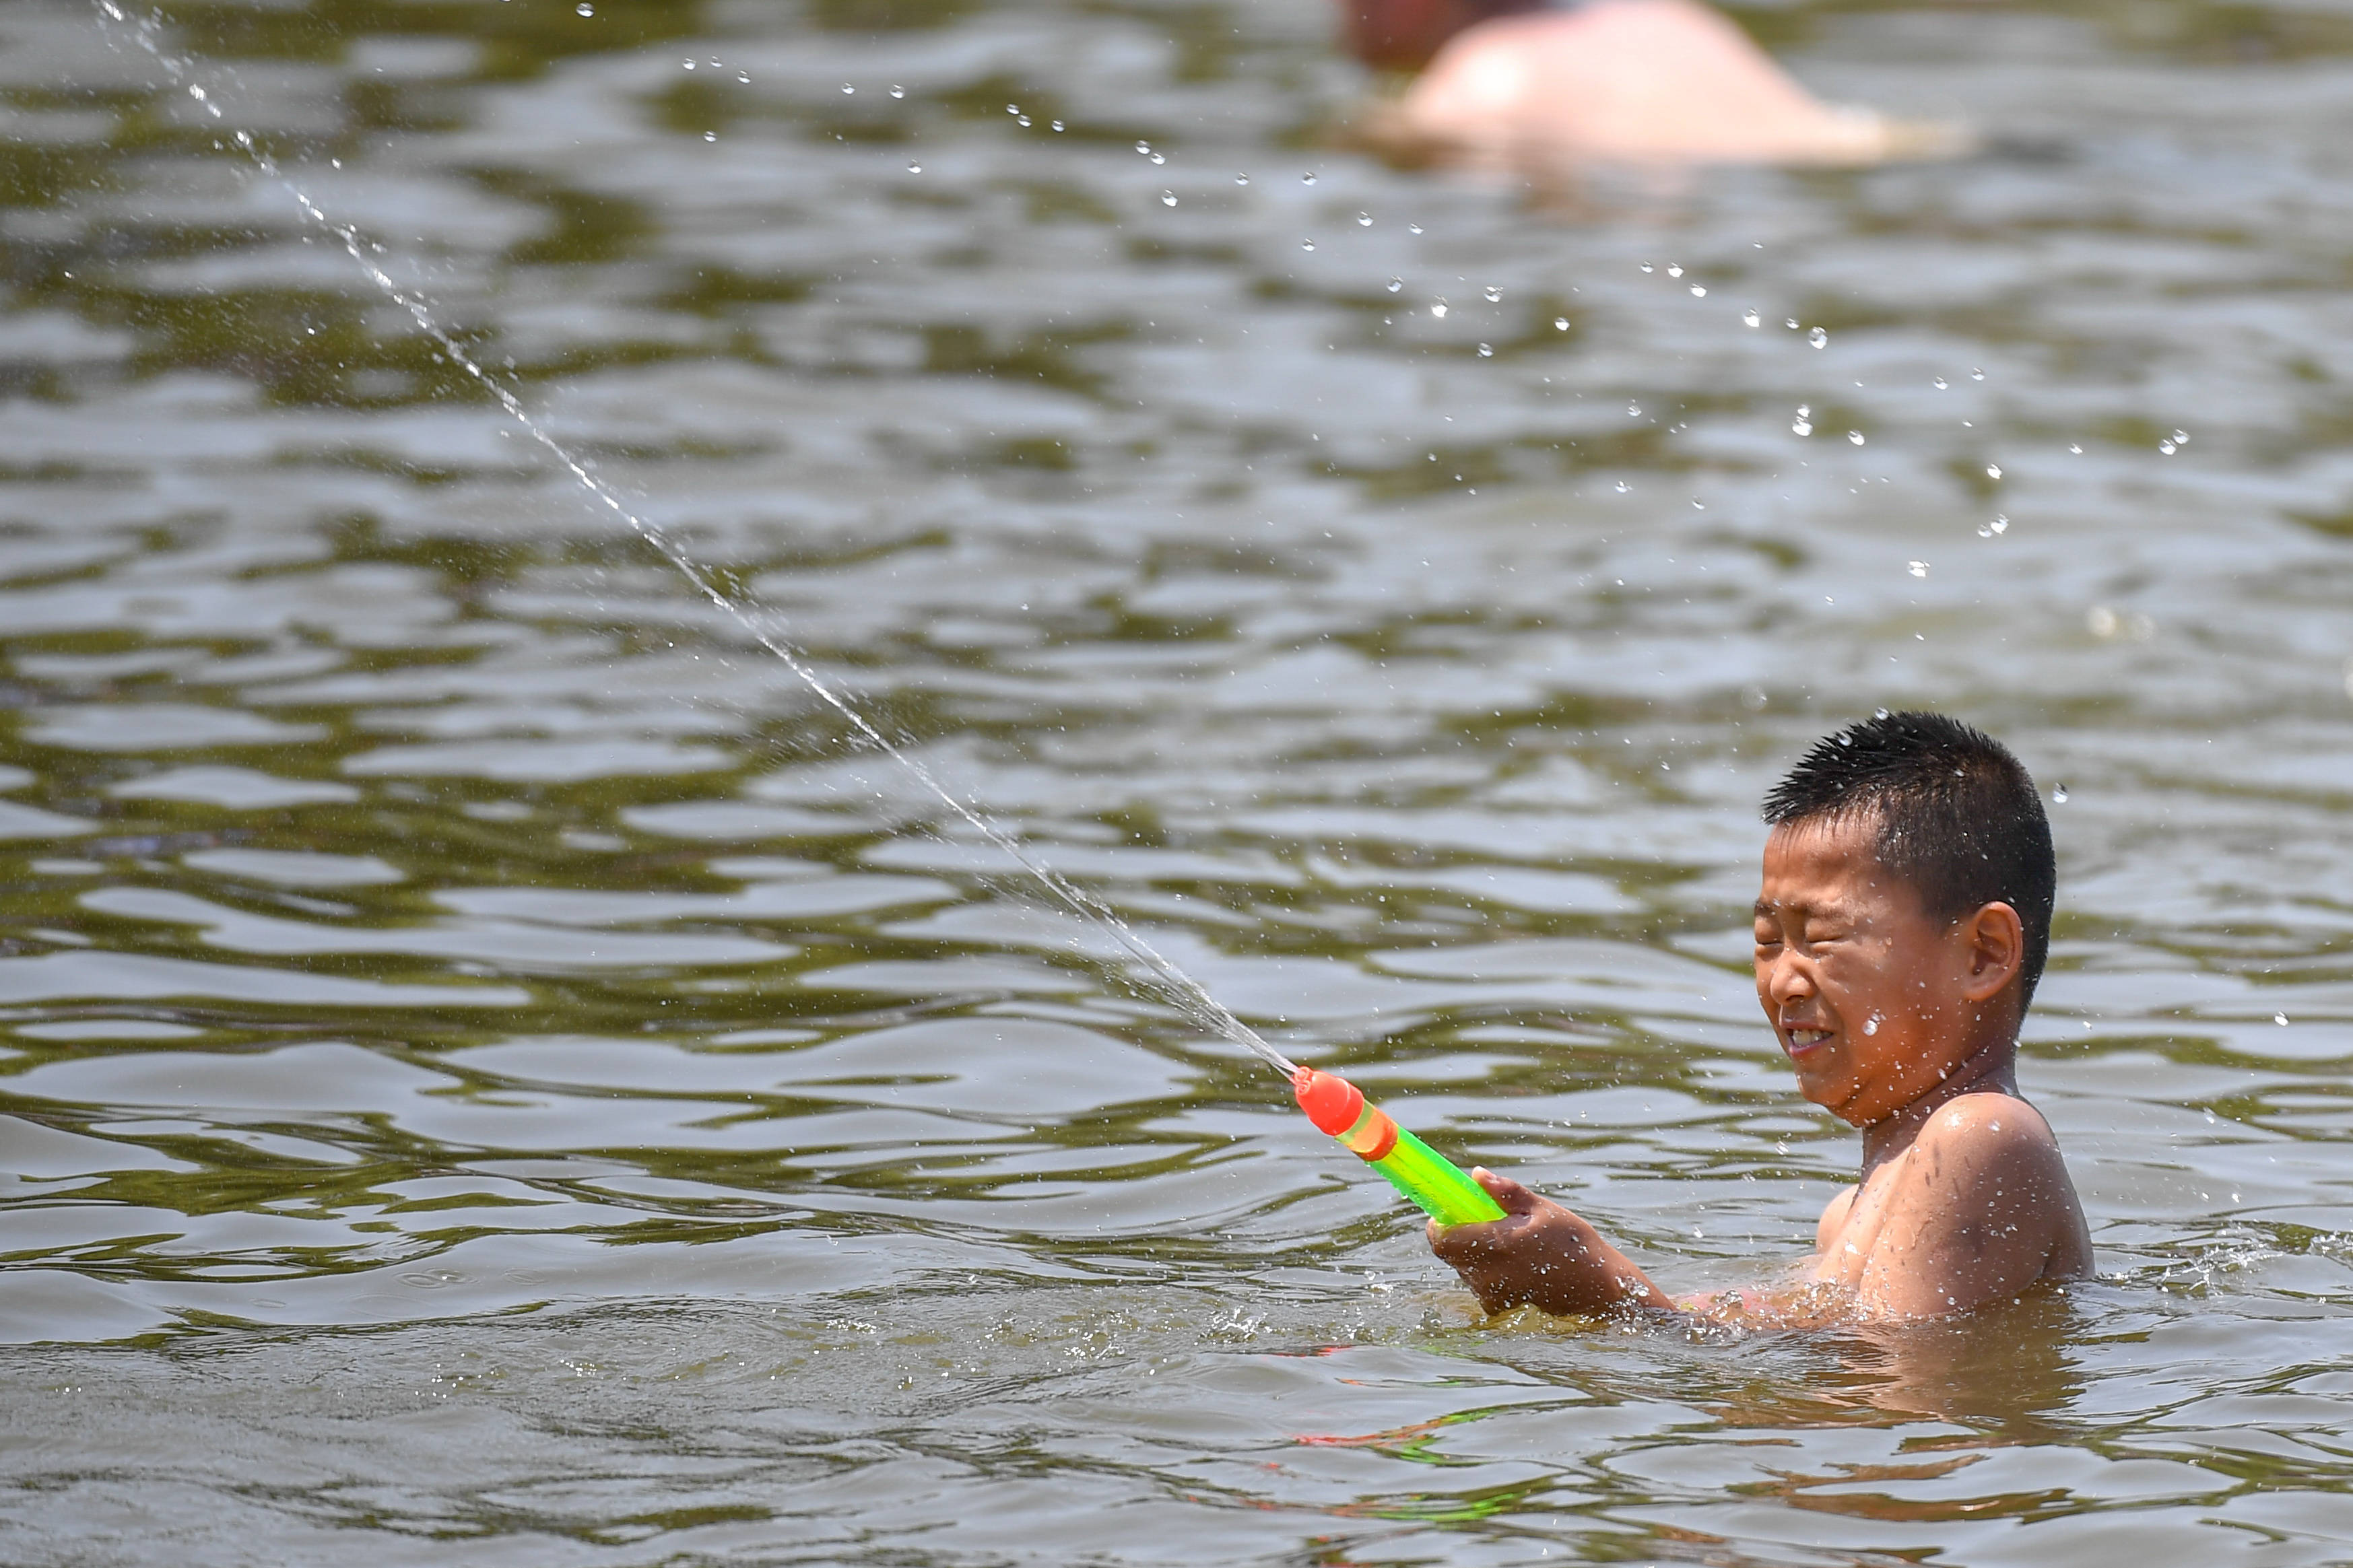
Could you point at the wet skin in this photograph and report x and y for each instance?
(1903, 1026)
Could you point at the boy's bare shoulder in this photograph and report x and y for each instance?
(1986, 1130)
(1984, 1207)
(1989, 1148)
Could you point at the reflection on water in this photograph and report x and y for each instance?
(486, 1061)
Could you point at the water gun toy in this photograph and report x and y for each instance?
(1442, 1188)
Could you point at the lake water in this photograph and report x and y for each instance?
(491, 1075)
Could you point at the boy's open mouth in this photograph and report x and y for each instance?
(1802, 1040)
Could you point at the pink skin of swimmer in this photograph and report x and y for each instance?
(1520, 85)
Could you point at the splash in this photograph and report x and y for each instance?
(1154, 976)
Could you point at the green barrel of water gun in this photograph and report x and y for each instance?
(1445, 1191)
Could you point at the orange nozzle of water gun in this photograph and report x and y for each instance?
(1331, 1102)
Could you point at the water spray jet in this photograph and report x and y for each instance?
(1335, 1105)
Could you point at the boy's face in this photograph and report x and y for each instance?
(1875, 1001)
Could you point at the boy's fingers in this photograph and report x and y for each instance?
(1456, 1244)
(1474, 1245)
(1513, 1196)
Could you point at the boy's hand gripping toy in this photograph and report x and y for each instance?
(1420, 1172)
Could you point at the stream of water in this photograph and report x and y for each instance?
(1156, 975)
(494, 1070)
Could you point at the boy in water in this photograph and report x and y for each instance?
(1904, 919)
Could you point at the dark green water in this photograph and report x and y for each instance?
(492, 1077)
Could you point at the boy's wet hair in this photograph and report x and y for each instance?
(1958, 817)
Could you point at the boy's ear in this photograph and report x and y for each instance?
(1997, 949)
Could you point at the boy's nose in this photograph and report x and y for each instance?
(1788, 981)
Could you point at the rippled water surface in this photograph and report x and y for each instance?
(491, 1074)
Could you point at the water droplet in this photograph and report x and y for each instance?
(1306, 245)
(1751, 318)
(1145, 148)
(197, 92)
(1241, 179)
(2001, 523)
(1879, 712)
(897, 91)
(2059, 797)
(1939, 381)
(1439, 310)
(1855, 437)
(1819, 338)
(1056, 124)
(1395, 284)
(1308, 178)
(1486, 351)
(1791, 323)
(2076, 448)
(710, 136)
(1698, 505)
(847, 90)
(1012, 109)
(1160, 158)
(2281, 1019)
(1560, 323)
(1698, 292)
(2181, 437)
(2167, 447)
(1674, 269)
(1167, 198)
(1022, 119)
(1633, 409)
(2102, 621)
(584, 8)
(1977, 375)
(1413, 228)
(1494, 295)
(1993, 470)
(1801, 427)
(1623, 487)
(1364, 220)
(1917, 568)
(1871, 1025)
(689, 65)
(1646, 267)
(915, 168)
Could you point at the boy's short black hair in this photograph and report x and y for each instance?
(1960, 817)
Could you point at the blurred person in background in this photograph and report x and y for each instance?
(1523, 85)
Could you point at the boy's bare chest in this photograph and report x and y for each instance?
(1855, 1218)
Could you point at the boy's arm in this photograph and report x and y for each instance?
(1985, 1207)
(1540, 1254)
